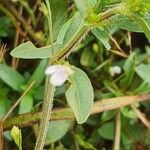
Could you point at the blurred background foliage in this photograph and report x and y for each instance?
(21, 21)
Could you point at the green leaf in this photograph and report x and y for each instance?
(112, 88)
(17, 136)
(29, 51)
(106, 131)
(80, 95)
(73, 34)
(62, 32)
(147, 18)
(81, 5)
(57, 129)
(11, 77)
(129, 23)
(103, 37)
(87, 57)
(26, 104)
(107, 115)
(91, 3)
(4, 106)
(84, 144)
(4, 103)
(142, 88)
(143, 71)
(38, 93)
(125, 23)
(128, 112)
(5, 27)
(59, 15)
(85, 5)
(129, 68)
(38, 74)
(143, 25)
(77, 23)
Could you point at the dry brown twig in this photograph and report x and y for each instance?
(117, 131)
(2, 52)
(141, 116)
(30, 119)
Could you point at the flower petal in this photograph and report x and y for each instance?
(52, 69)
(59, 77)
(117, 69)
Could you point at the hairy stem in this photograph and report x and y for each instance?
(49, 93)
(69, 47)
(46, 112)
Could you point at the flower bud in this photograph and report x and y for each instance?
(114, 70)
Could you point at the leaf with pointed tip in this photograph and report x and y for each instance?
(143, 71)
(103, 37)
(143, 25)
(29, 51)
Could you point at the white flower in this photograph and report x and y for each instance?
(59, 74)
(114, 70)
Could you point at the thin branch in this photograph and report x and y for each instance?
(15, 61)
(118, 131)
(141, 116)
(129, 40)
(1, 137)
(2, 52)
(114, 103)
(17, 102)
(27, 28)
(30, 119)
(117, 46)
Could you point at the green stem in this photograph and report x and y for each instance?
(46, 113)
(76, 40)
(49, 18)
(49, 93)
